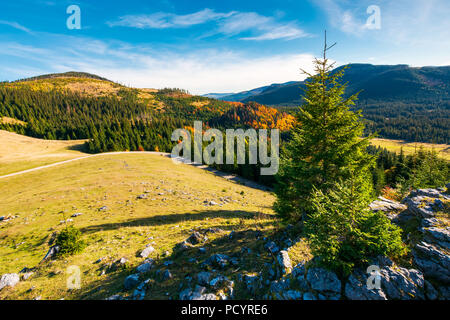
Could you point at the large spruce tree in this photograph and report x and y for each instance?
(326, 145)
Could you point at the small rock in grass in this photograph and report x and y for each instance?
(131, 281)
(147, 251)
(9, 280)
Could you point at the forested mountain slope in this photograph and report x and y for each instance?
(400, 102)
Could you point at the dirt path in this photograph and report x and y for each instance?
(227, 176)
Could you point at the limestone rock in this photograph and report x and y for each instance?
(356, 288)
(9, 280)
(284, 261)
(147, 251)
(323, 281)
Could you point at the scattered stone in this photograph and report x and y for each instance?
(131, 281)
(324, 281)
(147, 251)
(214, 283)
(51, 253)
(213, 230)
(218, 260)
(272, 247)
(284, 261)
(76, 214)
(9, 280)
(196, 238)
(183, 246)
(203, 278)
(104, 208)
(144, 268)
(142, 196)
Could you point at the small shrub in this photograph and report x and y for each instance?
(70, 242)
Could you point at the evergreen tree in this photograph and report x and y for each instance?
(326, 145)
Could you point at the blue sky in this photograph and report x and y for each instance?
(215, 46)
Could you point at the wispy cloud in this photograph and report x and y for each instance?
(230, 24)
(164, 20)
(15, 25)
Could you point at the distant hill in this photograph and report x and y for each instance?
(241, 96)
(70, 74)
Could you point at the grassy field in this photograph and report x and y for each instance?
(410, 147)
(173, 209)
(18, 153)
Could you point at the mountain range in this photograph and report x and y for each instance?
(375, 82)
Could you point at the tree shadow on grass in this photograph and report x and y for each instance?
(246, 246)
(166, 219)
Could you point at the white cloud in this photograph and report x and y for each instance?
(199, 72)
(230, 24)
(406, 22)
(15, 25)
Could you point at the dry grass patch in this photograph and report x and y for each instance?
(443, 150)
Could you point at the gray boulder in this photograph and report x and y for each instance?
(144, 268)
(203, 278)
(218, 260)
(131, 281)
(356, 288)
(401, 283)
(386, 205)
(323, 281)
(433, 262)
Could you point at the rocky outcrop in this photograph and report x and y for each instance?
(431, 254)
